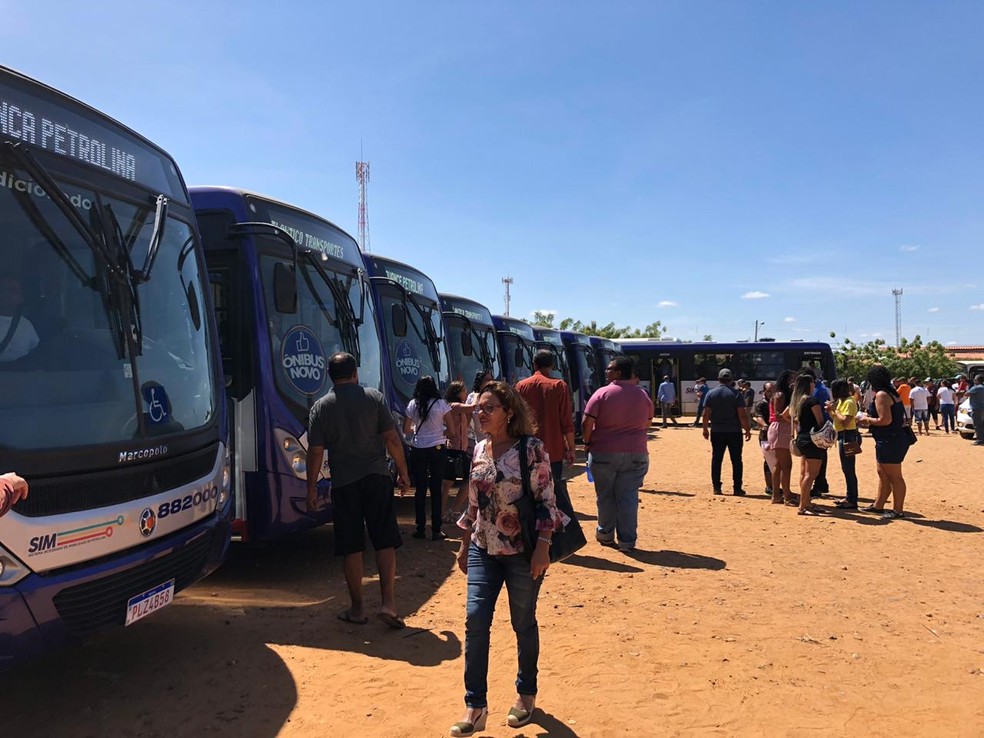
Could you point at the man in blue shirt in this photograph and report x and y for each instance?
(666, 396)
(725, 417)
(976, 395)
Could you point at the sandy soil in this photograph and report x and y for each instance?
(734, 617)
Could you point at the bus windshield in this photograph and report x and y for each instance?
(518, 354)
(90, 352)
(420, 352)
(302, 341)
(480, 342)
(587, 367)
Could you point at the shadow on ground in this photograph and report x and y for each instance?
(181, 671)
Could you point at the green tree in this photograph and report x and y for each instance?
(610, 330)
(543, 319)
(909, 359)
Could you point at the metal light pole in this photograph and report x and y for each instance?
(757, 324)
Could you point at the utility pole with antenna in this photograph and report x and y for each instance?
(362, 175)
(898, 315)
(507, 281)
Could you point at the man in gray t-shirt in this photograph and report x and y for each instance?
(356, 427)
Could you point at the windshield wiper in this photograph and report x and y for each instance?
(429, 336)
(346, 323)
(484, 352)
(25, 160)
(160, 223)
(118, 291)
(129, 325)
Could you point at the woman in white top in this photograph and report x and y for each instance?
(425, 421)
(947, 408)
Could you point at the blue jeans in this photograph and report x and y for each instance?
(617, 479)
(948, 412)
(486, 575)
(848, 464)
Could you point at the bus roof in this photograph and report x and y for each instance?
(712, 346)
(410, 278)
(250, 193)
(459, 304)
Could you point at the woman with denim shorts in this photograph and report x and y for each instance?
(886, 418)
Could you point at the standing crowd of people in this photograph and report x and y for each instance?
(500, 443)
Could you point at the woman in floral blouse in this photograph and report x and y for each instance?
(492, 554)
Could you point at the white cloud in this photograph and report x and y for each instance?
(933, 310)
(789, 320)
(952, 343)
(977, 307)
(545, 311)
(754, 295)
(666, 304)
(908, 248)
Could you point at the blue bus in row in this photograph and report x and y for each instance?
(517, 344)
(685, 362)
(411, 329)
(289, 289)
(472, 341)
(111, 399)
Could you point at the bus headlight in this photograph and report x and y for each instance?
(226, 481)
(294, 453)
(11, 570)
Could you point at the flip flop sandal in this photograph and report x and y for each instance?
(393, 621)
(346, 617)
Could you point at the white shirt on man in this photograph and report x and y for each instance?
(919, 398)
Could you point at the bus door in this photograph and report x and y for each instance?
(666, 366)
(231, 303)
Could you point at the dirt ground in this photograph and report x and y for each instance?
(733, 618)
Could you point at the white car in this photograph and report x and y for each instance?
(965, 426)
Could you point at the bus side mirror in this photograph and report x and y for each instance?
(284, 288)
(398, 316)
(466, 345)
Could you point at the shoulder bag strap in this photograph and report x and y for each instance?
(524, 466)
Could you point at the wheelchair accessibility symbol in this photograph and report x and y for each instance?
(158, 407)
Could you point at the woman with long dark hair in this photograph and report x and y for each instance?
(886, 418)
(492, 551)
(425, 421)
(779, 439)
(843, 410)
(805, 409)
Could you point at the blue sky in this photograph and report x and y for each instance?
(704, 164)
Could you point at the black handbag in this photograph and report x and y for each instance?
(458, 463)
(564, 542)
(909, 434)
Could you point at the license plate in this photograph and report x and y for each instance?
(152, 600)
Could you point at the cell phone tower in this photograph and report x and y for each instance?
(898, 315)
(507, 281)
(362, 174)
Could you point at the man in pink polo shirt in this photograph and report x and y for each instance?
(614, 428)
